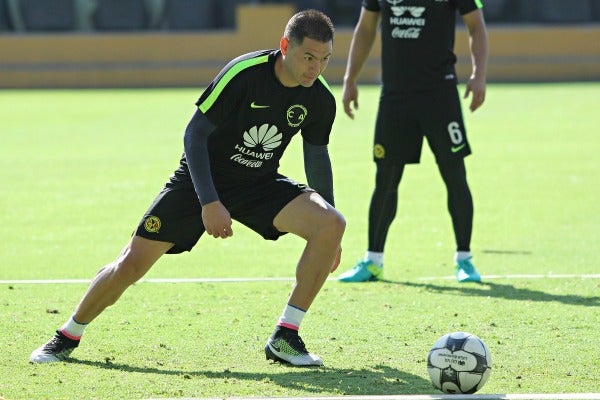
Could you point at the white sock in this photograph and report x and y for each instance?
(375, 257)
(462, 255)
(291, 317)
(73, 329)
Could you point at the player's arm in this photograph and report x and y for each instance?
(195, 142)
(215, 217)
(360, 47)
(317, 167)
(478, 44)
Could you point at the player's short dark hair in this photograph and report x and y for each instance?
(312, 24)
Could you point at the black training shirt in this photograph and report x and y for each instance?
(417, 38)
(256, 117)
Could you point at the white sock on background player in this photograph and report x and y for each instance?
(375, 257)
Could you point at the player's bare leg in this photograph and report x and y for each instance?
(135, 260)
(322, 226)
(138, 256)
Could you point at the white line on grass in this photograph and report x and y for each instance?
(148, 280)
(520, 276)
(561, 396)
(285, 279)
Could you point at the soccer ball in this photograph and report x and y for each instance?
(459, 362)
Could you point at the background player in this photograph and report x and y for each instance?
(419, 98)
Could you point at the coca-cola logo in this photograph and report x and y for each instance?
(408, 33)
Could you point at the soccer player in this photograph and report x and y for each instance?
(229, 170)
(419, 97)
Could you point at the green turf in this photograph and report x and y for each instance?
(79, 168)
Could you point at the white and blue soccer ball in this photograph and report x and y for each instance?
(459, 362)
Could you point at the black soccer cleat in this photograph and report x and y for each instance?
(57, 349)
(286, 346)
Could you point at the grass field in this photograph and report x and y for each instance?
(79, 168)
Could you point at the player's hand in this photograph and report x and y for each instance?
(476, 87)
(336, 262)
(217, 220)
(350, 98)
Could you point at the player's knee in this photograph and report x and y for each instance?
(333, 225)
(128, 270)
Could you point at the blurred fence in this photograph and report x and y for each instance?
(18, 16)
(178, 43)
(21, 16)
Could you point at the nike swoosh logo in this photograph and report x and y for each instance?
(275, 347)
(456, 149)
(254, 105)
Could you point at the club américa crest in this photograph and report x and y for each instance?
(152, 224)
(379, 151)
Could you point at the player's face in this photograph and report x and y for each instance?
(303, 63)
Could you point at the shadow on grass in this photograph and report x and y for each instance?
(380, 379)
(504, 291)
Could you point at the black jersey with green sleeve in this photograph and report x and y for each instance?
(256, 117)
(417, 39)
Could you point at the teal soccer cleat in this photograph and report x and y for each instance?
(466, 272)
(363, 271)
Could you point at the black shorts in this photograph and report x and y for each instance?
(176, 215)
(404, 119)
